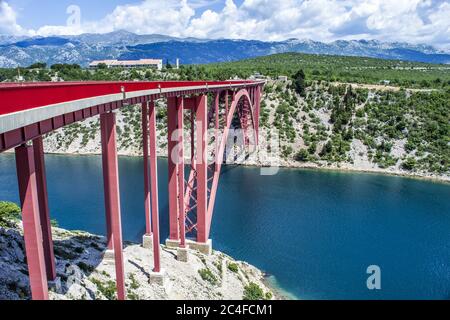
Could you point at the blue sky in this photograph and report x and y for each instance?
(414, 21)
(33, 14)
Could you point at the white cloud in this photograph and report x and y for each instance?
(8, 20)
(415, 21)
(169, 17)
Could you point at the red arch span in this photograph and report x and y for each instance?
(242, 94)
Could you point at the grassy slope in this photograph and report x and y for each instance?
(339, 68)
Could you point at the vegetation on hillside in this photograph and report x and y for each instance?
(326, 123)
(315, 68)
(336, 68)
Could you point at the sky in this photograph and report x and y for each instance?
(413, 21)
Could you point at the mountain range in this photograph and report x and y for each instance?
(81, 49)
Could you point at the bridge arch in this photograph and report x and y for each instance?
(242, 96)
(198, 210)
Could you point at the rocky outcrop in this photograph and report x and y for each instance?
(83, 273)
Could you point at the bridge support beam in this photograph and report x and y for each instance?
(111, 176)
(106, 183)
(257, 107)
(180, 171)
(174, 233)
(147, 241)
(154, 188)
(202, 168)
(31, 222)
(44, 213)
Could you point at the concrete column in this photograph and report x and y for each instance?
(174, 233)
(257, 107)
(180, 171)
(41, 181)
(108, 125)
(202, 247)
(154, 188)
(31, 222)
(159, 278)
(105, 166)
(147, 241)
(216, 128)
(202, 168)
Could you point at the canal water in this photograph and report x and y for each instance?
(314, 232)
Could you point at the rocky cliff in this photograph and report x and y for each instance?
(84, 274)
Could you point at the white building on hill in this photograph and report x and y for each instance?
(142, 63)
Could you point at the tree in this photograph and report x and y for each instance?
(409, 164)
(328, 148)
(312, 148)
(299, 82)
(65, 66)
(302, 155)
(38, 65)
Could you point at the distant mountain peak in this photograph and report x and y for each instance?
(123, 44)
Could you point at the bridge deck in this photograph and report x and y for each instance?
(28, 110)
(22, 104)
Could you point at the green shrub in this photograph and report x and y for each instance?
(134, 283)
(207, 275)
(54, 223)
(9, 212)
(302, 155)
(132, 296)
(233, 267)
(409, 164)
(85, 267)
(108, 289)
(253, 292)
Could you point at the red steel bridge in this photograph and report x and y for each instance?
(30, 110)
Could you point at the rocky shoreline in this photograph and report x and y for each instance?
(84, 274)
(291, 164)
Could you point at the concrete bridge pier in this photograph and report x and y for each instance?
(32, 227)
(112, 197)
(44, 212)
(147, 239)
(202, 247)
(151, 238)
